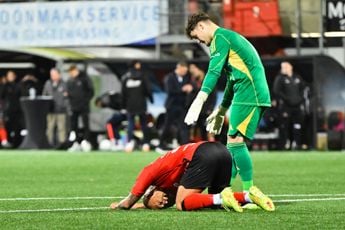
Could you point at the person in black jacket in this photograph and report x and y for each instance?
(3, 132)
(13, 115)
(136, 89)
(79, 91)
(289, 88)
(177, 86)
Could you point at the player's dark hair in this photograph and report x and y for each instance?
(149, 192)
(193, 20)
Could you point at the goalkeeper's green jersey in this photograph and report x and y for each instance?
(246, 81)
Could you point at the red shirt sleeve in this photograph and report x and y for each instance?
(144, 180)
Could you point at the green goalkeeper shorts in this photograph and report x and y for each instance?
(244, 120)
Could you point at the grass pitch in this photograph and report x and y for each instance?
(60, 190)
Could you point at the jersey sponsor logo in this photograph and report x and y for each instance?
(133, 83)
(215, 55)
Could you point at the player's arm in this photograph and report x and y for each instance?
(143, 181)
(219, 57)
(127, 203)
(115, 205)
(216, 119)
(228, 95)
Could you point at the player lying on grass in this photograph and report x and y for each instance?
(181, 175)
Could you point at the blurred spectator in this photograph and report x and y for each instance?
(199, 129)
(289, 87)
(14, 121)
(114, 124)
(29, 86)
(57, 117)
(136, 89)
(3, 131)
(79, 91)
(177, 86)
(195, 6)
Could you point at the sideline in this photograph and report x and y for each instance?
(54, 210)
(107, 208)
(121, 197)
(63, 198)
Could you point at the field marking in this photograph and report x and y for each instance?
(301, 195)
(54, 210)
(310, 200)
(62, 198)
(107, 208)
(121, 197)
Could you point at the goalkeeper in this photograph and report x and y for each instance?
(246, 91)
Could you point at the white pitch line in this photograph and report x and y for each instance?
(301, 195)
(121, 197)
(107, 208)
(62, 198)
(54, 210)
(310, 200)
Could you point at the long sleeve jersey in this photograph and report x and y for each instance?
(246, 80)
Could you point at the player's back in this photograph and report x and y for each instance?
(245, 70)
(241, 48)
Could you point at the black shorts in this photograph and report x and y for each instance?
(209, 168)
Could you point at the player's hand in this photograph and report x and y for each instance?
(158, 200)
(114, 205)
(215, 120)
(194, 110)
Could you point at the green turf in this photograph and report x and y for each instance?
(48, 174)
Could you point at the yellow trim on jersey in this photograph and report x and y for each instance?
(237, 62)
(244, 124)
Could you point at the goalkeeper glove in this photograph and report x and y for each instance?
(195, 108)
(215, 120)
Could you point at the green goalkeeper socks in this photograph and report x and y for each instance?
(242, 164)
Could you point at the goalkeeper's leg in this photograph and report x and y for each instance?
(243, 123)
(243, 162)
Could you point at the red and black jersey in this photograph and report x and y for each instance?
(166, 171)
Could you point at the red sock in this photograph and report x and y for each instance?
(110, 131)
(239, 196)
(197, 201)
(3, 134)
